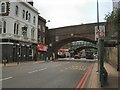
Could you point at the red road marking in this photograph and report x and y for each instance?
(87, 77)
(82, 80)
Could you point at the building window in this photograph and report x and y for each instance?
(16, 28)
(23, 14)
(4, 26)
(39, 38)
(3, 7)
(43, 29)
(32, 33)
(57, 38)
(27, 15)
(43, 40)
(39, 27)
(16, 10)
(24, 31)
(34, 19)
(0, 27)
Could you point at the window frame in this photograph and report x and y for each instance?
(26, 15)
(3, 26)
(16, 28)
(24, 32)
(34, 19)
(3, 8)
(23, 14)
(29, 17)
(16, 10)
(32, 33)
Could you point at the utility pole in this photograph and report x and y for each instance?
(118, 45)
(98, 31)
(100, 49)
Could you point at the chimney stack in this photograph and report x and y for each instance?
(30, 2)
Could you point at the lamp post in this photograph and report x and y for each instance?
(100, 48)
(118, 46)
(98, 30)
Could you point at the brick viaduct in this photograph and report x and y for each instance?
(57, 37)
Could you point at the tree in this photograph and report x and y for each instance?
(113, 23)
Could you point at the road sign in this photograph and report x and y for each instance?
(99, 32)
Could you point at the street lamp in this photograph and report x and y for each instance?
(118, 46)
(98, 30)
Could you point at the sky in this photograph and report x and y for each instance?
(72, 12)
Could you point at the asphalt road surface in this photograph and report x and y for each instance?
(60, 74)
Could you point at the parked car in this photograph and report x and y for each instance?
(89, 55)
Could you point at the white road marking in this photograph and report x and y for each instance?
(42, 69)
(32, 71)
(37, 70)
(57, 65)
(5, 78)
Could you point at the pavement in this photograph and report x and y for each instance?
(113, 78)
(21, 63)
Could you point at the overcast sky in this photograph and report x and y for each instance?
(71, 12)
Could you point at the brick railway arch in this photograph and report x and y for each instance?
(57, 45)
(58, 37)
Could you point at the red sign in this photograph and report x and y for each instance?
(40, 47)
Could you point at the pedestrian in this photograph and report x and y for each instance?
(46, 59)
(35, 56)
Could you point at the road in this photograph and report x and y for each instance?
(60, 74)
